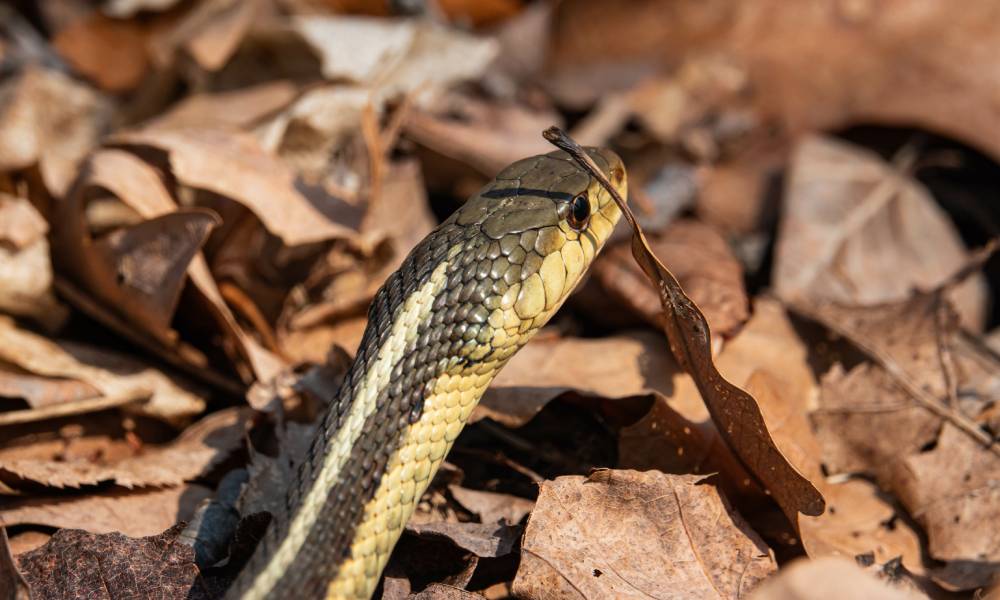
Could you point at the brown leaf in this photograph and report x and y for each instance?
(25, 267)
(48, 119)
(135, 513)
(204, 38)
(234, 165)
(109, 52)
(827, 579)
(860, 520)
(899, 418)
(40, 392)
(77, 564)
(628, 534)
(866, 422)
(735, 413)
(440, 591)
(238, 108)
(485, 136)
(200, 447)
(141, 188)
(485, 540)
(876, 64)
(855, 230)
(113, 375)
(952, 491)
(12, 583)
(700, 259)
(491, 506)
(631, 365)
(396, 56)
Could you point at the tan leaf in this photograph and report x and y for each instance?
(952, 491)
(491, 506)
(398, 56)
(630, 365)
(200, 447)
(25, 266)
(133, 512)
(700, 259)
(233, 165)
(113, 375)
(854, 231)
(48, 119)
(237, 108)
(827, 579)
(626, 534)
(212, 32)
(486, 136)
(485, 540)
(812, 66)
(900, 418)
(109, 52)
(860, 520)
(140, 187)
(137, 271)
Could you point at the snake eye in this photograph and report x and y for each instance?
(579, 212)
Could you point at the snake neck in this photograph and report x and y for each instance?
(401, 406)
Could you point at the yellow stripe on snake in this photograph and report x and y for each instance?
(471, 294)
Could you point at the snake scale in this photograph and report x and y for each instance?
(465, 299)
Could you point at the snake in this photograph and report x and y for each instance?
(463, 302)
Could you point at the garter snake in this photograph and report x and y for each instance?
(467, 297)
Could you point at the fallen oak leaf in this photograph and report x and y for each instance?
(735, 412)
(117, 377)
(200, 447)
(631, 534)
(135, 513)
(78, 564)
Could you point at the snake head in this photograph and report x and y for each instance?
(540, 224)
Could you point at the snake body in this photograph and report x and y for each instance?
(463, 302)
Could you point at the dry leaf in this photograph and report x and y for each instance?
(25, 267)
(486, 136)
(209, 34)
(827, 579)
(141, 189)
(700, 259)
(631, 365)
(485, 540)
(111, 566)
(735, 413)
(109, 52)
(123, 9)
(12, 583)
(233, 165)
(626, 534)
(855, 231)
(811, 66)
(48, 119)
(240, 108)
(194, 453)
(490, 507)
(135, 513)
(440, 591)
(397, 56)
(899, 419)
(114, 375)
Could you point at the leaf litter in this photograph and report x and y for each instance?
(200, 222)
